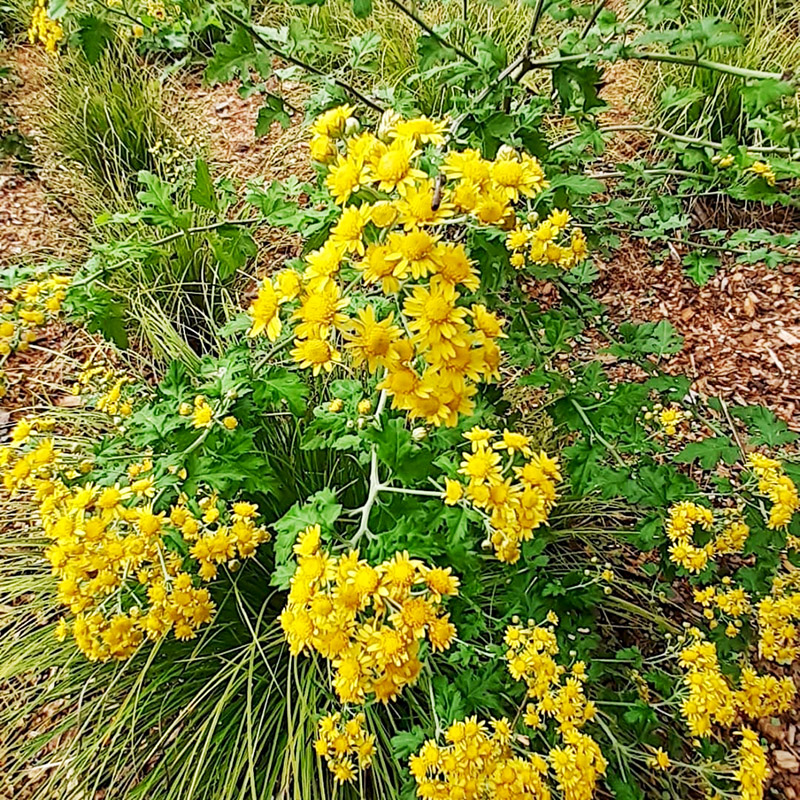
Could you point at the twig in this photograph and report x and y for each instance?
(212, 226)
(431, 32)
(537, 16)
(591, 21)
(735, 432)
(657, 129)
(611, 449)
(264, 42)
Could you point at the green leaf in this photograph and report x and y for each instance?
(94, 34)
(233, 246)
(431, 52)
(700, 266)
(767, 92)
(362, 8)
(239, 55)
(770, 430)
(203, 192)
(407, 742)
(57, 8)
(320, 509)
(279, 384)
(709, 452)
(666, 339)
(273, 110)
(363, 50)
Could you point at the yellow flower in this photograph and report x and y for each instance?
(372, 341)
(435, 318)
(416, 206)
(320, 312)
(763, 170)
(264, 312)
(453, 492)
(467, 165)
(413, 252)
(659, 760)
(517, 174)
(316, 354)
(379, 265)
(230, 423)
(382, 214)
(421, 129)
(322, 148)
(345, 177)
(332, 122)
(347, 232)
(390, 166)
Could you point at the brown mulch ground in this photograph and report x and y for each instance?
(741, 330)
(228, 122)
(34, 223)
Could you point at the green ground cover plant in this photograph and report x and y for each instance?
(381, 531)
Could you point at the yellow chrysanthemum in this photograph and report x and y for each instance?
(320, 311)
(391, 166)
(372, 341)
(264, 312)
(316, 354)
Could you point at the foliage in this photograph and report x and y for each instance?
(442, 592)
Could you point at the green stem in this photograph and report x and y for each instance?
(658, 130)
(667, 58)
(641, 611)
(611, 449)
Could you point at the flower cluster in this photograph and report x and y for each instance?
(344, 744)
(669, 418)
(547, 242)
(731, 603)
(777, 486)
(685, 518)
(712, 700)
(368, 621)
(753, 769)
(480, 763)
(27, 307)
(110, 389)
(43, 29)
(557, 693)
(203, 414)
(429, 347)
(777, 614)
(119, 572)
(512, 485)
(764, 170)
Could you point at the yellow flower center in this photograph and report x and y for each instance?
(378, 341)
(437, 308)
(392, 166)
(508, 173)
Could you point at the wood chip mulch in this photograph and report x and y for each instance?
(741, 330)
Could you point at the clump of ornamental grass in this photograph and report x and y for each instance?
(716, 106)
(108, 120)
